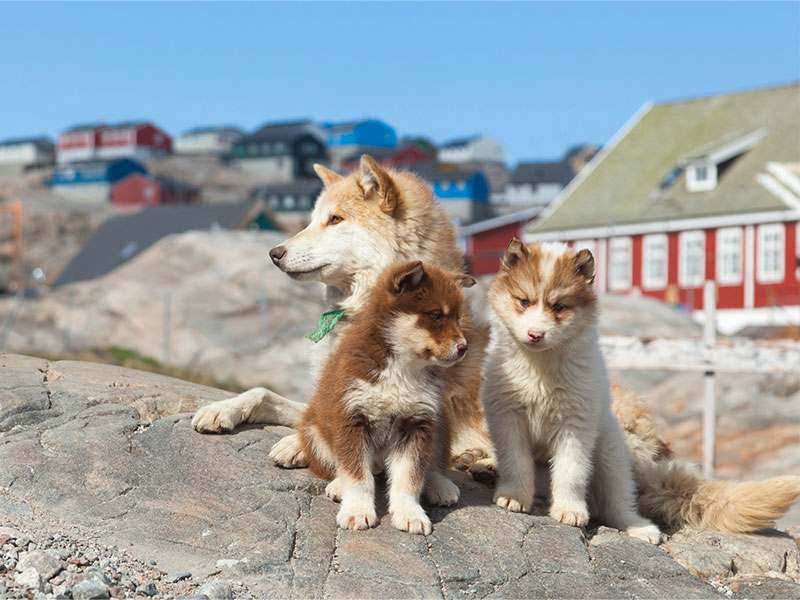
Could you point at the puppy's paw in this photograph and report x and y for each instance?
(512, 501)
(478, 463)
(440, 491)
(576, 516)
(354, 516)
(411, 519)
(334, 490)
(288, 453)
(648, 533)
(217, 417)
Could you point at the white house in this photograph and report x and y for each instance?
(477, 149)
(208, 140)
(20, 154)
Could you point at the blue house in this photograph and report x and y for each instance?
(363, 136)
(92, 181)
(464, 194)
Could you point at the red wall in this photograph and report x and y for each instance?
(486, 248)
(152, 137)
(132, 191)
(787, 292)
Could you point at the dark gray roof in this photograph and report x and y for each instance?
(301, 186)
(284, 132)
(542, 172)
(459, 142)
(123, 237)
(41, 141)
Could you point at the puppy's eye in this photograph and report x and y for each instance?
(435, 315)
(558, 307)
(524, 302)
(335, 220)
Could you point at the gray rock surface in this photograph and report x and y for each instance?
(101, 449)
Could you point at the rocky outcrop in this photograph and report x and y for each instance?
(109, 453)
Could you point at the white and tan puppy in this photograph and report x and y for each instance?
(547, 396)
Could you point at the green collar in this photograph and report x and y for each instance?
(327, 321)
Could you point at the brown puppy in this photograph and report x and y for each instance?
(379, 400)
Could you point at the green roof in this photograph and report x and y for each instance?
(626, 185)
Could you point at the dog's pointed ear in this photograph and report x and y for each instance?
(584, 265)
(328, 177)
(515, 252)
(465, 281)
(408, 278)
(377, 184)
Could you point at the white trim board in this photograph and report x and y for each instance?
(606, 231)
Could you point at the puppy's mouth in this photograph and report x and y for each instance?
(307, 274)
(448, 361)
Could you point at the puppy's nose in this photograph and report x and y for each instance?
(535, 335)
(461, 348)
(277, 254)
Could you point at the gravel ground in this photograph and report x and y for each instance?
(41, 558)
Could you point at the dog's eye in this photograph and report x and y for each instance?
(435, 315)
(558, 307)
(524, 302)
(335, 220)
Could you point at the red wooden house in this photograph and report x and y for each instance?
(705, 189)
(410, 152)
(140, 190)
(484, 242)
(140, 140)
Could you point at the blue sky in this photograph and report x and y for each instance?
(537, 76)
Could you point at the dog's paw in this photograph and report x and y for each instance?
(648, 533)
(288, 453)
(352, 516)
(217, 417)
(512, 501)
(411, 519)
(334, 490)
(440, 491)
(576, 516)
(478, 463)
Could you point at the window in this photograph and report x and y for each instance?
(729, 255)
(288, 202)
(654, 261)
(691, 260)
(770, 253)
(619, 274)
(700, 173)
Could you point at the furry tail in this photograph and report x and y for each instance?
(673, 493)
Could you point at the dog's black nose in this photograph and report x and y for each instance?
(461, 348)
(277, 254)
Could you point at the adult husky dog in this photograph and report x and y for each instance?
(362, 224)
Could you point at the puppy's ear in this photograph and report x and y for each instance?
(408, 278)
(465, 281)
(328, 177)
(515, 252)
(584, 265)
(377, 184)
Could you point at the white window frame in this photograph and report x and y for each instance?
(762, 274)
(684, 239)
(724, 235)
(649, 280)
(618, 245)
(709, 182)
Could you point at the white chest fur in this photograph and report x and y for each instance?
(403, 390)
